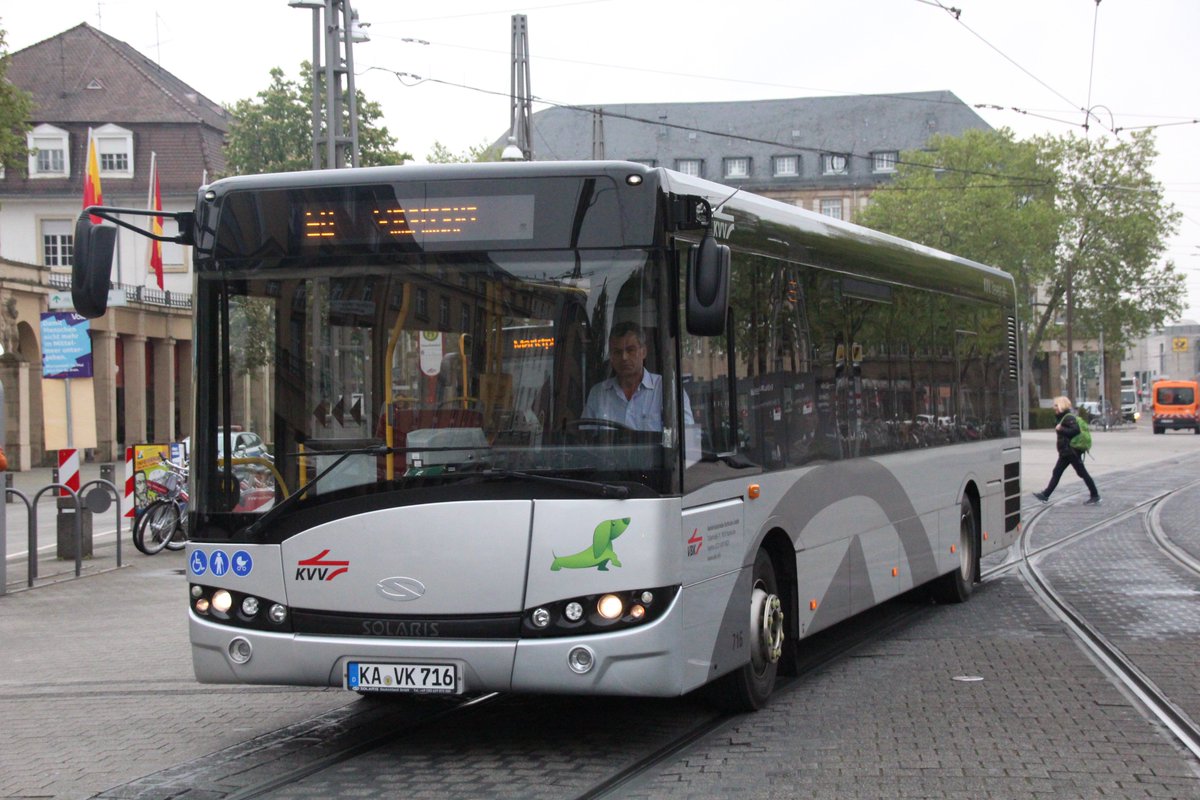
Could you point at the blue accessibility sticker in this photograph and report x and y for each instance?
(218, 562)
(242, 563)
(198, 562)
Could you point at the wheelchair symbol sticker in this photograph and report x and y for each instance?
(198, 562)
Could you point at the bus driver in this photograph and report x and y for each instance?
(633, 397)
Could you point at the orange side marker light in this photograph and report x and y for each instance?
(812, 605)
(895, 571)
(985, 536)
(953, 548)
(754, 491)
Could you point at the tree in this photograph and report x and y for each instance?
(273, 132)
(440, 154)
(1045, 210)
(16, 109)
(1115, 224)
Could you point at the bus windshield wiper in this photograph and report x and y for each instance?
(374, 450)
(588, 487)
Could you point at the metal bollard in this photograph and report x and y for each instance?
(107, 471)
(8, 484)
(54, 479)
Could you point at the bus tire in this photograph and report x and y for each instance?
(749, 687)
(956, 586)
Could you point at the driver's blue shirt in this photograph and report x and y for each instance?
(642, 412)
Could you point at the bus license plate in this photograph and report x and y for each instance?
(414, 678)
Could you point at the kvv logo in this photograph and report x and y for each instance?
(318, 568)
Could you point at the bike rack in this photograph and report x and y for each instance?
(31, 513)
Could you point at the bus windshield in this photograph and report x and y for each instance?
(427, 372)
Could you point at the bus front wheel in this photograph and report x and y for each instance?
(749, 687)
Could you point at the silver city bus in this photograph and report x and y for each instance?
(589, 428)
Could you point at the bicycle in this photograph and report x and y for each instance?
(163, 524)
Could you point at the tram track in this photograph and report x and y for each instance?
(1101, 647)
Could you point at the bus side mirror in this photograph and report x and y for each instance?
(91, 266)
(707, 288)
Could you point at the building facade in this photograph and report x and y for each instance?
(825, 154)
(85, 82)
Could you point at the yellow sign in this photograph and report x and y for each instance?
(1179, 344)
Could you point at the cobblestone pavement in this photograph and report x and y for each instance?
(96, 685)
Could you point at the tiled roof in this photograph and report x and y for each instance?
(759, 129)
(83, 74)
(85, 78)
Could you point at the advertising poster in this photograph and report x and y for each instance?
(151, 478)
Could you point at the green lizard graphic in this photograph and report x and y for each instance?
(600, 553)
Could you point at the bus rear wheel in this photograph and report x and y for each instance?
(956, 586)
(749, 687)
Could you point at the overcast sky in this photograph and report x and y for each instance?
(1134, 62)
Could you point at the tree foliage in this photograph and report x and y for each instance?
(16, 108)
(272, 132)
(1048, 210)
(440, 154)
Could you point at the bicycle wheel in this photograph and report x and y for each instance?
(157, 526)
(179, 540)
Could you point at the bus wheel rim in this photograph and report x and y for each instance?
(766, 615)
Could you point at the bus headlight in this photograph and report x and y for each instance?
(277, 613)
(597, 613)
(610, 606)
(222, 601)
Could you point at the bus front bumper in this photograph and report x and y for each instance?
(643, 661)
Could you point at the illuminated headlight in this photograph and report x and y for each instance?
(202, 605)
(250, 606)
(610, 606)
(597, 613)
(277, 613)
(222, 601)
(240, 650)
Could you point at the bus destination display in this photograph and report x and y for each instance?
(458, 219)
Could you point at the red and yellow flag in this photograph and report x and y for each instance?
(156, 224)
(92, 196)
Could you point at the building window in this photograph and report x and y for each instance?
(690, 166)
(58, 242)
(422, 308)
(49, 157)
(785, 166)
(114, 151)
(885, 161)
(831, 207)
(464, 318)
(834, 164)
(737, 167)
(444, 313)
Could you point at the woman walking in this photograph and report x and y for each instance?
(1067, 429)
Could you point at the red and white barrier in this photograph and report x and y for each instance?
(68, 469)
(130, 511)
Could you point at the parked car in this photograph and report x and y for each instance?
(245, 444)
